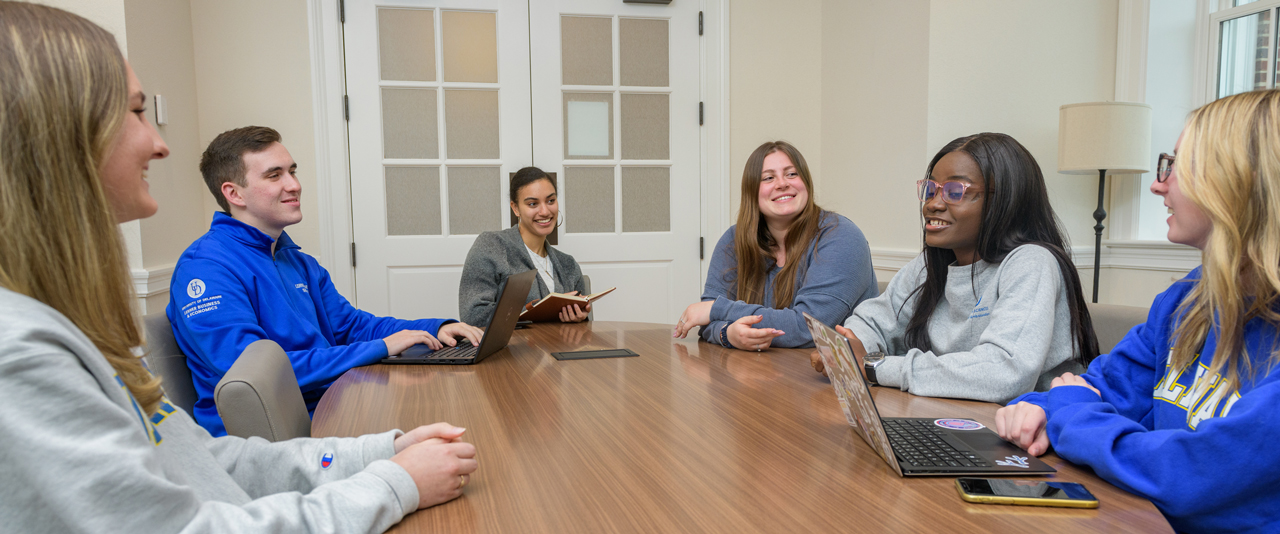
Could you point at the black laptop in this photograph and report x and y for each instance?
(916, 446)
(496, 337)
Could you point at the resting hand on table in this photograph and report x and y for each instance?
(437, 460)
(742, 336)
(697, 314)
(1022, 424)
(574, 314)
(859, 351)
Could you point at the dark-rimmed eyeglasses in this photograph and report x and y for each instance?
(952, 192)
(1164, 167)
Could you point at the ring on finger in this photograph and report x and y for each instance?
(463, 480)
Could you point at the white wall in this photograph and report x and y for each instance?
(253, 67)
(875, 82)
(775, 87)
(162, 56)
(1006, 66)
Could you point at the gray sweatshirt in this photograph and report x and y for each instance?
(999, 331)
(78, 454)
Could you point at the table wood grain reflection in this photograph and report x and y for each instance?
(687, 437)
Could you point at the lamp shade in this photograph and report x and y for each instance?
(1115, 136)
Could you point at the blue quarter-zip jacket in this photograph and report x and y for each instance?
(228, 291)
(1201, 450)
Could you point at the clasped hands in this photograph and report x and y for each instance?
(1023, 424)
(741, 334)
(437, 459)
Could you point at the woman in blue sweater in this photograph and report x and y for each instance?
(1182, 411)
(785, 256)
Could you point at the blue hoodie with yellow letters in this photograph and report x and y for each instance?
(228, 291)
(1200, 449)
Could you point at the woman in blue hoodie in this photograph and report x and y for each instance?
(1182, 411)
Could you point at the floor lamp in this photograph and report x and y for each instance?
(1100, 138)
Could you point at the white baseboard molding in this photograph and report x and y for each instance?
(152, 281)
(1159, 256)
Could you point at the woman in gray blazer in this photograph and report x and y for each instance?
(495, 255)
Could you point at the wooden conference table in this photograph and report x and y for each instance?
(687, 437)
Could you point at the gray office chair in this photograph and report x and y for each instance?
(259, 395)
(167, 361)
(1111, 322)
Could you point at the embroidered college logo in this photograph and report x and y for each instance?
(195, 288)
(326, 460)
(1014, 461)
(959, 424)
(979, 310)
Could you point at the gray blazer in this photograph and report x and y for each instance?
(496, 255)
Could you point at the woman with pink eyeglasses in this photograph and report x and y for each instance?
(992, 308)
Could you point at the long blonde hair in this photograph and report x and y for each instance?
(753, 243)
(63, 99)
(1229, 166)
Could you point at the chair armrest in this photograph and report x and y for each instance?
(1111, 322)
(259, 395)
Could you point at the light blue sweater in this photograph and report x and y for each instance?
(835, 277)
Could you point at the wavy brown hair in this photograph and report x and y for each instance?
(1229, 166)
(753, 244)
(63, 99)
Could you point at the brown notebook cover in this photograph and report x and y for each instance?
(548, 309)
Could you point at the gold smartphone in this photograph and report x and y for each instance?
(1025, 492)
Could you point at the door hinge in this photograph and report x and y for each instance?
(346, 108)
(701, 242)
(353, 253)
(699, 23)
(342, 11)
(699, 113)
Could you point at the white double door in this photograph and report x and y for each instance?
(449, 98)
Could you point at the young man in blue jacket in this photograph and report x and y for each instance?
(246, 280)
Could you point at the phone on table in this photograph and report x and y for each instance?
(1025, 492)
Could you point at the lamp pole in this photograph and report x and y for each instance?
(1098, 215)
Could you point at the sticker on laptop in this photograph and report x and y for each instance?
(1014, 461)
(958, 424)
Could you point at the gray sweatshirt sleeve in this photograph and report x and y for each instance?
(838, 274)
(74, 460)
(880, 323)
(262, 468)
(1010, 353)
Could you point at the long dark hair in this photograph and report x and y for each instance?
(1015, 212)
(752, 242)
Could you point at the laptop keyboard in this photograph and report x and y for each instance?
(919, 442)
(464, 349)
